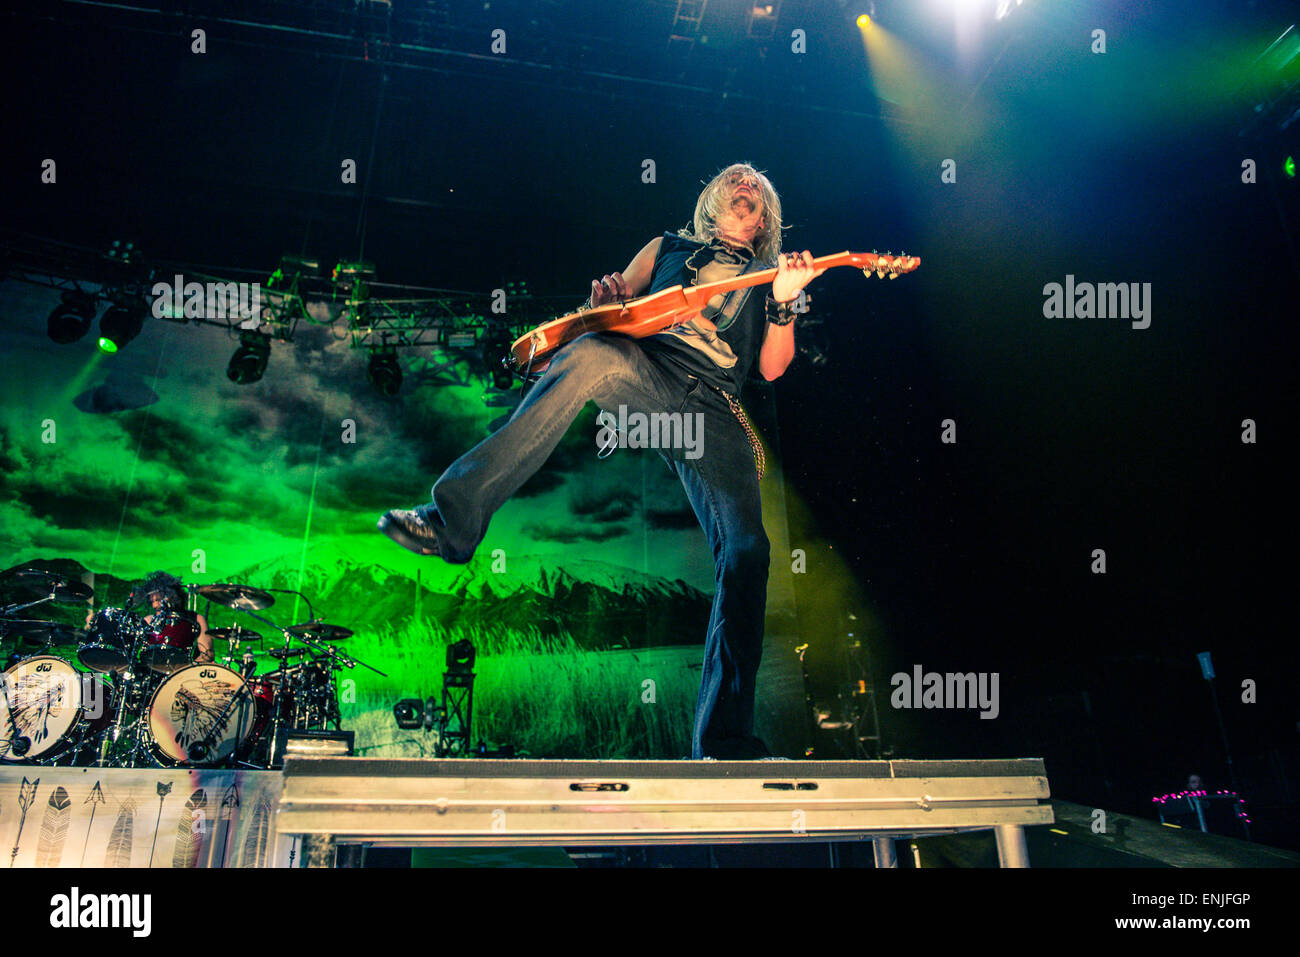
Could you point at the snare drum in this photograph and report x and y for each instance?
(201, 715)
(113, 634)
(169, 643)
(52, 707)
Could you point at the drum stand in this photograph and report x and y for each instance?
(124, 683)
(337, 660)
(18, 744)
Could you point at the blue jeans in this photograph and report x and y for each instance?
(721, 483)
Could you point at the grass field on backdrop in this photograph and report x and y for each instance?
(546, 696)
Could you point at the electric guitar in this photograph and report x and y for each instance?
(532, 352)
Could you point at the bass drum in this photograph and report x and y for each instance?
(202, 715)
(49, 707)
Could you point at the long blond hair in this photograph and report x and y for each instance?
(704, 226)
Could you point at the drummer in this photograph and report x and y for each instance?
(165, 593)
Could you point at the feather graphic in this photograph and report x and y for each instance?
(254, 850)
(95, 798)
(54, 829)
(26, 795)
(120, 841)
(190, 829)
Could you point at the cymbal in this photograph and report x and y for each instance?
(39, 633)
(320, 631)
(242, 597)
(285, 653)
(36, 583)
(234, 632)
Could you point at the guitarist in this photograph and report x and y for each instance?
(697, 366)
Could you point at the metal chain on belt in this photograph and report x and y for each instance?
(760, 461)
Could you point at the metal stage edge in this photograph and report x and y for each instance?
(432, 802)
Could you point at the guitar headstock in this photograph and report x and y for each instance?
(886, 264)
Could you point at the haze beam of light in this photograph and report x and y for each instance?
(920, 89)
(306, 530)
(78, 382)
(135, 461)
(828, 591)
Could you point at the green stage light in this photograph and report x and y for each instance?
(1289, 166)
(120, 324)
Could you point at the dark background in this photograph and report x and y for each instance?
(1072, 434)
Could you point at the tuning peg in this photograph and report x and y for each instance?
(880, 272)
(893, 275)
(866, 272)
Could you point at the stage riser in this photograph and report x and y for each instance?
(430, 803)
(420, 830)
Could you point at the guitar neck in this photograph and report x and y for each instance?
(697, 296)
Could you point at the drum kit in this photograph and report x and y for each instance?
(135, 697)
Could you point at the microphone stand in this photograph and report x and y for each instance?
(18, 743)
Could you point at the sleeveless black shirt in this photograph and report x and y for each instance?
(741, 322)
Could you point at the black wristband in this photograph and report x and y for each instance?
(781, 313)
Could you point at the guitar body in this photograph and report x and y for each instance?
(638, 318)
(531, 353)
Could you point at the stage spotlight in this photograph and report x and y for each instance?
(460, 656)
(120, 324)
(71, 320)
(409, 713)
(385, 372)
(1288, 166)
(250, 359)
(1004, 8)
